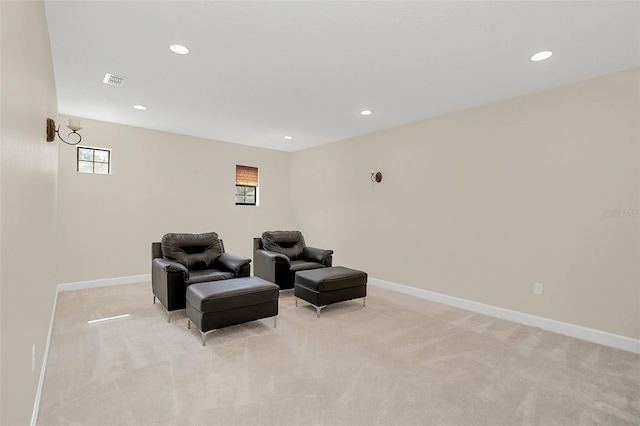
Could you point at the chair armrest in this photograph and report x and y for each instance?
(273, 256)
(232, 262)
(156, 250)
(316, 254)
(171, 266)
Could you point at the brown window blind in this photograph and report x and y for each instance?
(246, 175)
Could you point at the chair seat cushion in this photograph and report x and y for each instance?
(301, 265)
(331, 279)
(204, 275)
(224, 295)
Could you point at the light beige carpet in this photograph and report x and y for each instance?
(400, 360)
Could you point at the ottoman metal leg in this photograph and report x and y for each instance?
(364, 302)
(318, 309)
(205, 333)
(204, 336)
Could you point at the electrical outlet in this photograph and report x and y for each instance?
(33, 357)
(538, 288)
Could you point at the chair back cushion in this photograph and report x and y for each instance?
(289, 243)
(195, 251)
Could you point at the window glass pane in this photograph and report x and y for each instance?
(85, 154)
(94, 160)
(246, 194)
(101, 168)
(101, 156)
(85, 167)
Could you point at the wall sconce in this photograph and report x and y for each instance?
(376, 176)
(74, 126)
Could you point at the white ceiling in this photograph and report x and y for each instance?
(260, 70)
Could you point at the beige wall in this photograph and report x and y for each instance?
(28, 207)
(482, 204)
(160, 183)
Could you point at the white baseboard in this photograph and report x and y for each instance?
(45, 357)
(572, 330)
(81, 285)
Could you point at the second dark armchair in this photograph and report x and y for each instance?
(278, 255)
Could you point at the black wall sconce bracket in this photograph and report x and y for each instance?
(376, 176)
(52, 131)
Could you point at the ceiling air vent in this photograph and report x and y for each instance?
(114, 80)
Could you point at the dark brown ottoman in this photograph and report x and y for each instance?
(324, 286)
(216, 304)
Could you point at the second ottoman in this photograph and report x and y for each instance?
(324, 286)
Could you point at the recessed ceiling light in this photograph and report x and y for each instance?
(366, 112)
(541, 56)
(179, 49)
(288, 137)
(140, 107)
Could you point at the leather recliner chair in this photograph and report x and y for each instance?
(180, 260)
(278, 255)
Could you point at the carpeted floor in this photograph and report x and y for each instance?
(400, 360)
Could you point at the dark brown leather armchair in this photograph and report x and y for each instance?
(184, 259)
(278, 255)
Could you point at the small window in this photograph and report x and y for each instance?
(94, 160)
(246, 186)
